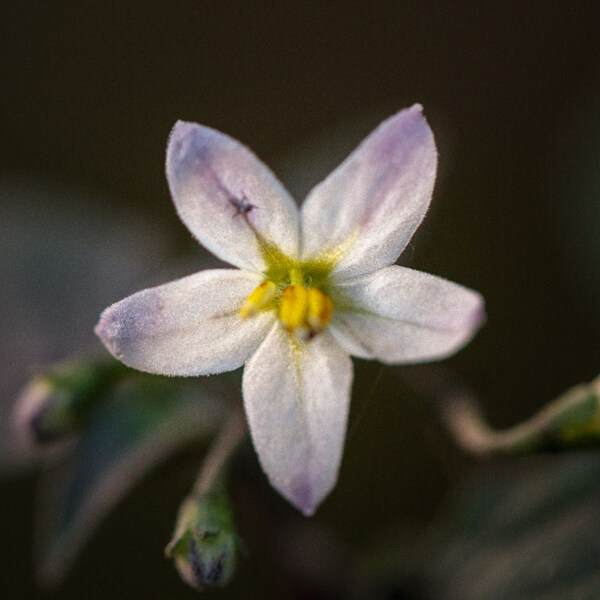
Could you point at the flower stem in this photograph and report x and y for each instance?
(220, 452)
(572, 419)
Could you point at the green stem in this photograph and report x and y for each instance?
(220, 452)
(571, 419)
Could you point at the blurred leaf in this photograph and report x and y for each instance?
(64, 257)
(146, 419)
(530, 530)
(522, 530)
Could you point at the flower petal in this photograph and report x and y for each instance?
(227, 197)
(363, 215)
(404, 316)
(190, 326)
(296, 397)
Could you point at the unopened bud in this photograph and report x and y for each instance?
(54, 403)
(204, 546)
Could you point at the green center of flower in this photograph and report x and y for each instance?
(297, 291)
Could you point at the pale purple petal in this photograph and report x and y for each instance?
(227, 197)
(403, 316)
(187, 327)
(363, 215)
(296, 397)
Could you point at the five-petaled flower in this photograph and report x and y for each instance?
(312, 287)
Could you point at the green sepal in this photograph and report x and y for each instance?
(57, 400)
(205, 544)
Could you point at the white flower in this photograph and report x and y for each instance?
(313, 286)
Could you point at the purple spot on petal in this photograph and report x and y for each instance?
(241, 205)
(302, 496)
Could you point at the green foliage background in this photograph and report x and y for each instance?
(89, 94)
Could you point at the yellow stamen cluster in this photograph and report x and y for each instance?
(303, 311)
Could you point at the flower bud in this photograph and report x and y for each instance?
(204, 546)
(54, 403)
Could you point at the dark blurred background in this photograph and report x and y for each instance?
(89, 94)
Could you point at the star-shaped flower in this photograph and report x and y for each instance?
(312, 287)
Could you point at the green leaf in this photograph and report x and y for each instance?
(146, 419)
(528, 529)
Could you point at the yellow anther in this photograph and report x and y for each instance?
(293, 307)
(257, 299)
(320, 310)
(304, 312)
